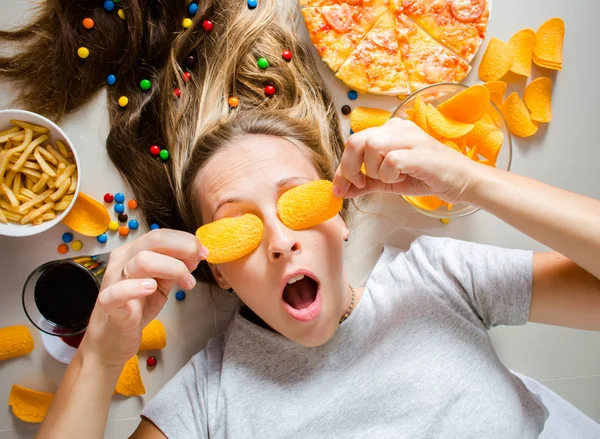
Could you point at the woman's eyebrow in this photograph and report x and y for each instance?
(224, 202)
(285, 181)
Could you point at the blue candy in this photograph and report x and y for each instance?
(180, 295)
(252, 4)
(119, 198)
(111, 79)
(133, 224)
(351, 131)
(67, 237)
(352, 95)
(102, 238)
(109, 5)
(154, 226)
(193, 8)
(119, 208)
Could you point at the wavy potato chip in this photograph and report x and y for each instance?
(444, 126)
(496, 62)
(425, 202)
(538, 98)
(229, 239)
(154, 336)
(452, 145)
(549, 40)
(488, 138)
(308, 205)
(517, 117)
(522, 44)
(419, 116)
(130, 381)
(362, 118)
(15, 341)
(87, 216)
(472, 153)
(497, 91)
(468, 106)
(29, 405)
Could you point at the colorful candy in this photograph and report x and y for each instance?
(123, 217)
(187, 22)
(67, 237)
(88, 23)
(145, 84)
(154, 226)
(154, 150)
(132, 204)
(133, 224)
(123, 230)
(108, 198)
(186, 76)
(252, 4)
(445, 220)
(151, 361)
(77, 245)
(207, 25)
(352, 95)
(286, 55)
(121, 14)
(109, 5)
(120, 197)
(269, 90)
(262, 63)
(83, 52)
(123, 101)
(177, 93)
(190, 61)
(346, 110)
(180, 295)
(119, 208)
(62, 249)
(164, 155)
(113, 226)
(111, 79)
(193, 8)
(102, 238)
(233, 102)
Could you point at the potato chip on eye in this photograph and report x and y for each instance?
(229, 239)
(308, 205)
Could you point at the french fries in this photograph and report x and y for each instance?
(37, 179)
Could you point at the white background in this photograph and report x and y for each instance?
(565, 154)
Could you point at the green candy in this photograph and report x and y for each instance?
(263, 63)
(164, 155)
(145, 84)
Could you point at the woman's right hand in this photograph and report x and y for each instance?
(136, 285)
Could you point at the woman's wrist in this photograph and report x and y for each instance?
(483, 181)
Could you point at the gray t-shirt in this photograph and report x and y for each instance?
(413, 360)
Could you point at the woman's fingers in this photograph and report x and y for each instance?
(119, 294)
(148, 264)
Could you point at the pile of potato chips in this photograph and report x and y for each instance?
(543, 47)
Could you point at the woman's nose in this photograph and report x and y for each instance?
(282, 242)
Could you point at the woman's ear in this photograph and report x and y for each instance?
(223, 284)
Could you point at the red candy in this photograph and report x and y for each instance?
(154, 150)
(109, 198)
(269, 90)
(287, 55)
(186, 76)
(177, 93)
(207, 25)
(151, 361)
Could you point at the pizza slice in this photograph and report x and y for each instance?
(458, 24)
(375, 65)
(336, 30)
(349, 2)
(426, 60)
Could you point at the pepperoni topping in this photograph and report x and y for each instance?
(467, 11)
(339, 19)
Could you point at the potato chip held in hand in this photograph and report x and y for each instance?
(229, 239)
(496, 62)
(444, 126)
(29, 405)
(517, 117)
(538, 98)
(522, 44)
(308, 205)
(15, 341)
(88, 216)
(419, 115)
(362, 118)
(549, 40)
(427, 202)
(130, 381)
(468, 106)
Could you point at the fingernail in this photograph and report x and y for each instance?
(192, 280)
(203, 253)
(336, 190)
(149, 285)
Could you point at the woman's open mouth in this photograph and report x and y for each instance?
(301, 297)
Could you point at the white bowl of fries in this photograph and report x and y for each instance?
(39, 173)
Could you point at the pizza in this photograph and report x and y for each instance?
(394, 47)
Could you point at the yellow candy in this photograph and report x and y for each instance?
(130, 382)
(83, 52)
(15, 341)
(308, 205)
(113, 226)
(121, 14)
(123, 101)
(445, 220)
(187, 22)
(229, 239)
(77, 245)
(29, 405)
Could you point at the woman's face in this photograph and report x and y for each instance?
(249, 177)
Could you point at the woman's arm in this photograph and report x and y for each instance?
(566, 285)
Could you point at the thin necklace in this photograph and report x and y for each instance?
(345, 316)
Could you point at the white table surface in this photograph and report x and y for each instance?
(565, 153)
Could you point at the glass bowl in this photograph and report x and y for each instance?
(435, 95)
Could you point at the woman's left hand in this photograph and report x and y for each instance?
(400, 157)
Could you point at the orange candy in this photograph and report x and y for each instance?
(233, 102)
(132, 204)
(123, 230)
(88, 23)
(62, 249)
